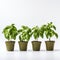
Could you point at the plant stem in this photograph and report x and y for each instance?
(37, 39)
(49, 39)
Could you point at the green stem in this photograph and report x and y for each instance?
(36, 39)
(49, 39)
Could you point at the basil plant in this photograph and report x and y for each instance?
(37, 32)
(10, 32)
(50, 31)
(24, 33)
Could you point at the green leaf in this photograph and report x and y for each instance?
(6, 28)
(54, 27)
(24, 27)
(56, 34)
(20, 30)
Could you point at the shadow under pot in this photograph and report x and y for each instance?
(36, 45)
(49, 45)
(22, 45)
(10, 45)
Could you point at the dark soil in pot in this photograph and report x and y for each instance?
(22, 45)
(36, 45)
(49, 45)
(10, 45)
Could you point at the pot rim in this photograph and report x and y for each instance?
(37, 41)
(9, 41)
(49, 41)
(22, 41)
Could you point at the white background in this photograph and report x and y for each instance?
(30, 13)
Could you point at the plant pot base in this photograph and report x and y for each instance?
(23, 46)
(10, 45)
(36, 45)
(49, 45)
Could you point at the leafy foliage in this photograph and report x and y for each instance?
(50, 31)
(37, 32)
(24, 33)
(10, 32)
(42, 30)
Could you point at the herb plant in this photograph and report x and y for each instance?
(50, 31)
(42, 30)
(24, 33)
(37, 32)
(10, 32)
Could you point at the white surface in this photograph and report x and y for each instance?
(30, 55)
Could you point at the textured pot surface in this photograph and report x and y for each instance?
(49, 45)
(36, 45)
(10, 45)
(22, 45)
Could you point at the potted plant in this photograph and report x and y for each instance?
(10, 33)
(24, 37)
(37, 32)
(50, 31)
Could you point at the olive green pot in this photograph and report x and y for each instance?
(36, 45)
(10, 45)
(49, 45)
(22, 45)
